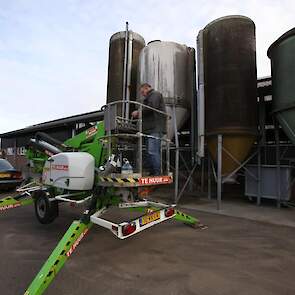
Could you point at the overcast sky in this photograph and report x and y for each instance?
(54, 53)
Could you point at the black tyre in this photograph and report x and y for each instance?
(46, 211)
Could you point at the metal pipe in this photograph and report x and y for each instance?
(213, 170)
(109, 133)
(129, 68)
(140, 142)
(161, 153)
(194, 125)
(184, 162)
(168, 156)
(209, 177)
(187, 169)
(259, 176)
(260, 144)
(241, 165)
(278, 164)
(176, 153)
(202, 175)
(125, 69)
(138, 104)
(219, 170)
(185, 184)
(201, 95)
(180, 173)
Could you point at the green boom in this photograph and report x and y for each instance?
(86, 141)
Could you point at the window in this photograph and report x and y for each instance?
(10, 151)
(80, 125)
(21, 151)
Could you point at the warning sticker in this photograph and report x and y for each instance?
(9, 206)
(91, 131)
(156, 180)
(60, 167)
(77, 242)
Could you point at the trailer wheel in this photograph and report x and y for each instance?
(46, 211)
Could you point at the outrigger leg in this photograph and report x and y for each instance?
(63, 250)
(22, 199)
(14, 202)
(58, 257)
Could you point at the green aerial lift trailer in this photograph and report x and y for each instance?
(88, 169)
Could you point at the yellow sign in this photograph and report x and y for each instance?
(149, 218)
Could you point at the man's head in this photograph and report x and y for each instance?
(145, 89)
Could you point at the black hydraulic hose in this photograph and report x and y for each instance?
(49, 139)
(44, 147)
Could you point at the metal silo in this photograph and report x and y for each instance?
(229, 87)
(124, 52)
(169, 68)
(282, 55)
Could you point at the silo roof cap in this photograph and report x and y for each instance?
(157, 40)
(279, 40)
(228, 17)
(121, 35)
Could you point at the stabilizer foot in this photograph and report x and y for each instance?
(189, 220)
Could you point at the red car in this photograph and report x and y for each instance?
(9, 177)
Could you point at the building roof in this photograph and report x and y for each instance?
(264, 82)
(67, 121)
(264, 86)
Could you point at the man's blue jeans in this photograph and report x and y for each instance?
(153, 154)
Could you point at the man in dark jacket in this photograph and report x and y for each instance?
(153, 124)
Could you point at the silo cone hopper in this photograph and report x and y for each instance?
(282, 55)
(228, 84)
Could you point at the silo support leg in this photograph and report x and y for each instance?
(219, 170)
(209, 178)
